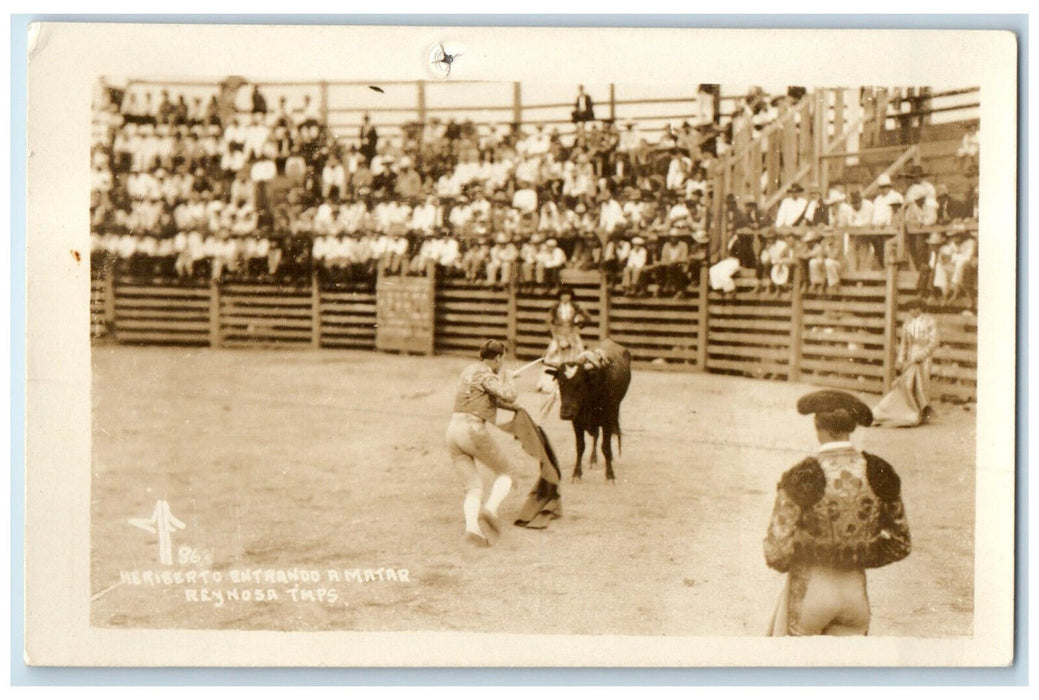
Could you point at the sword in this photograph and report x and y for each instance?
(527, 366)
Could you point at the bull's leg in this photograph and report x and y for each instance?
(594, 458)
(579, 434)
(607, 450)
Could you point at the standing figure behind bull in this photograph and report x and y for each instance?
(836, 514)
(591, 389)
(565, 320)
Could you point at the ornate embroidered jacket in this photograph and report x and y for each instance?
(842, 509)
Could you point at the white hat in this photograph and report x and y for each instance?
(884, 180)
(638, 240)
(834, 196)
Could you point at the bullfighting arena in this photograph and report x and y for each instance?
(334, 461)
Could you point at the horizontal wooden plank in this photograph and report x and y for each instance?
(163, 325)
(843, 368)
(673, 343)
(472, 331)
(260, 323)
(338, 320)
(641, 303)
(362, 297)
(168, 303)
(358, 344)
(955, 354)
(813, 321)
(347, 307)
(474, 294)
(161, 291)
(287, 303)
(448, 317)
(757, 324)
(748, 310)
(841, 353)
(952, 371)
(675, 327)
(650, 354)
(754, 369)
(750, 338)
(778, 355)
(821, 335)
(265, 333)
(689, 314)
(858, 307)
(159, 337)
(476, 307)
(185, 314)
(264, 290)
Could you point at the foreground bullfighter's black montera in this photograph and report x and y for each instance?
(590, 390)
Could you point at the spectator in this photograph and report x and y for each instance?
(824, 265)
(793, 210)
(634, 267)
(674, 258)
(887, 204)
(964, 263)
(970, 147)
(584, 109)
(259, 103)
(550, 262)
(369, 139)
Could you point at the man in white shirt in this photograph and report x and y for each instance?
(858, 250)
(611, 215)
(525, 200)
(550, 261)
(887, 204)
(426, 216)
(637, 259)
(793, 210)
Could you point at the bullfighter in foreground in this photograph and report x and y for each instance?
(483, 388)
(836, 514)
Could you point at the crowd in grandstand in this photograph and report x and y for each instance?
(216, 189)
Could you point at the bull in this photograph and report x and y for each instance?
(591, 389)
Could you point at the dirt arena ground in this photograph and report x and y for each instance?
(318, 460)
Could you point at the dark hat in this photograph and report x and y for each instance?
(795, 188)
(830, 400)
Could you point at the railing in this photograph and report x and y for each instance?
(845, 340)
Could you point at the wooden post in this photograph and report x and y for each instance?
(613, 103)
(324, 101)
(421, 101)
(214, 314)
(890, 321)
(604, 308)
(510, 317)
(109, 301)
(517, 104)
(796, 325)
(315, 310)
(702, 319)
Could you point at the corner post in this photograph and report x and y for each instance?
(796, 326)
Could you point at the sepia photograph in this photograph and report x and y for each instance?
(601, 358)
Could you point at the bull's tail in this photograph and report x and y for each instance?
(617, 432)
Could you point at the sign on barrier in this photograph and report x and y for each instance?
(404, 314)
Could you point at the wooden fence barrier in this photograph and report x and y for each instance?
(844, 340)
